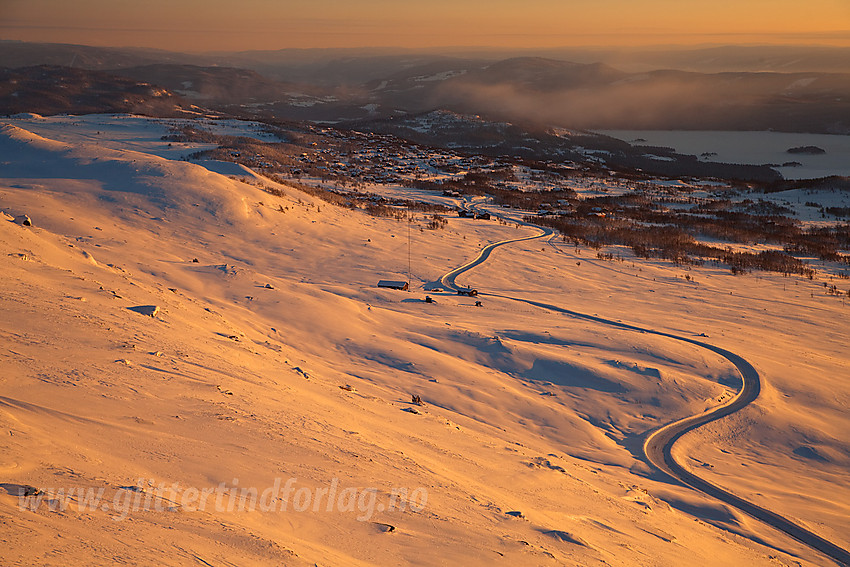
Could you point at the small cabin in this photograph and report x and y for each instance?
(403, 286)
(483, 216)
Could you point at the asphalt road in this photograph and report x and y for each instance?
(658, 446)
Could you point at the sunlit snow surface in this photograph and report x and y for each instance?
(274, 355)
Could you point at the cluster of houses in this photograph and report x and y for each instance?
(466, 214)
(357, 159)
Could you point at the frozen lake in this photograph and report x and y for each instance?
(753, 148)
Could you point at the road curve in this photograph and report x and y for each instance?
(658, 446)
(448, 280)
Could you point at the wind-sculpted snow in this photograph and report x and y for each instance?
(168, 331)
(658, 446)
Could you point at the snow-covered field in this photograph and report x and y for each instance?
(275, 363)
(753, 148)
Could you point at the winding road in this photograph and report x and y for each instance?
(448, 280)
(658, 447)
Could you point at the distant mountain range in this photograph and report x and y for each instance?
(47, 89)
(363, 64)
(597, 96)
(342, 86)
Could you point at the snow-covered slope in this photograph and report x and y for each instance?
(274, 358)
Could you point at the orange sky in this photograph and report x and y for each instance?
(198, 25)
